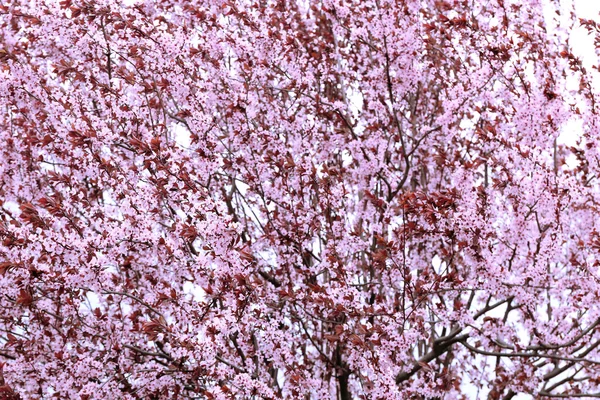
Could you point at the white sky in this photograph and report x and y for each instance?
(583, 45)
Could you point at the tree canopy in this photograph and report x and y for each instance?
(265, 199)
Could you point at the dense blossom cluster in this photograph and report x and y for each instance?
(270, 199)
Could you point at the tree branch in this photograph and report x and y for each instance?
(526, 355)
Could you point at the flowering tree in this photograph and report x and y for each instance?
(296, 199)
